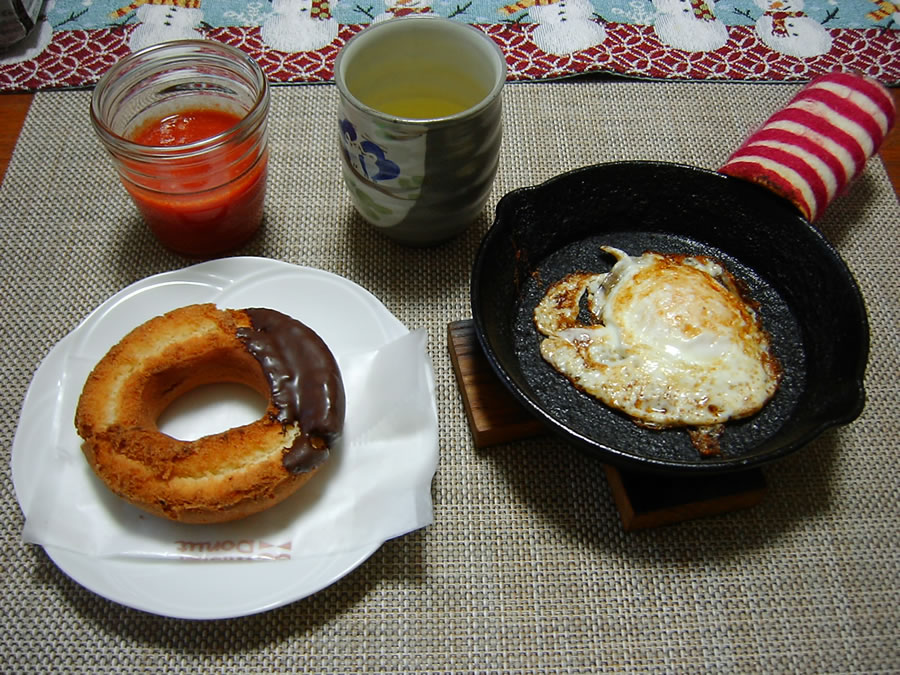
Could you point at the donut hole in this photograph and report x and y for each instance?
(206, 395)
(211, 409)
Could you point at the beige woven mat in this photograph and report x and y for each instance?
(526, 568)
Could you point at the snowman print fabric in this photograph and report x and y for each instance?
(73, 41)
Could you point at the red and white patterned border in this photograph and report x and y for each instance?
(78, 58)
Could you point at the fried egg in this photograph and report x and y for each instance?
(668, 339)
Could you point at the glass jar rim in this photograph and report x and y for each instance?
(182, 50)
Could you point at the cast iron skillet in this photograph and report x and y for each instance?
(811, 304)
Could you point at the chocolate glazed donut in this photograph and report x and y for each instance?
(223, 476)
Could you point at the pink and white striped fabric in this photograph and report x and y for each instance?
(812, 148)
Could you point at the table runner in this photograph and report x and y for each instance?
(74, 42)
(526, 568)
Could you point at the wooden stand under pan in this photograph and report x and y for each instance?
(644, 500)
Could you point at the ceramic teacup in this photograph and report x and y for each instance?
(420, 125)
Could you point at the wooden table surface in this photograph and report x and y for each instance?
(14, 107)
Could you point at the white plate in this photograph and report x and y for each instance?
(212, 590)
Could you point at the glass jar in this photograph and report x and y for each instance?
(200, 196)
(18, 18)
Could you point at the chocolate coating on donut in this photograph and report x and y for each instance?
(304, 380)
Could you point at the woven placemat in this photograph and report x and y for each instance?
(526, 567)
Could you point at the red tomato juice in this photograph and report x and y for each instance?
(205, 205)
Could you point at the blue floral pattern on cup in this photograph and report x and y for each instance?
(366, 156)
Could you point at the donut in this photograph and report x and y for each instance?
(224, 476)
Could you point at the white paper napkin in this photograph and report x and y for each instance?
(375, 486)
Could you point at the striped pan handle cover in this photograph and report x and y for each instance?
(812, 148)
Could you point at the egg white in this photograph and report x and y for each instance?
(671, 340)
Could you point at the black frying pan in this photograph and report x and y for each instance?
(811, 304)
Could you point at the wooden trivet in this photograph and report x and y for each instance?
(643, 499)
